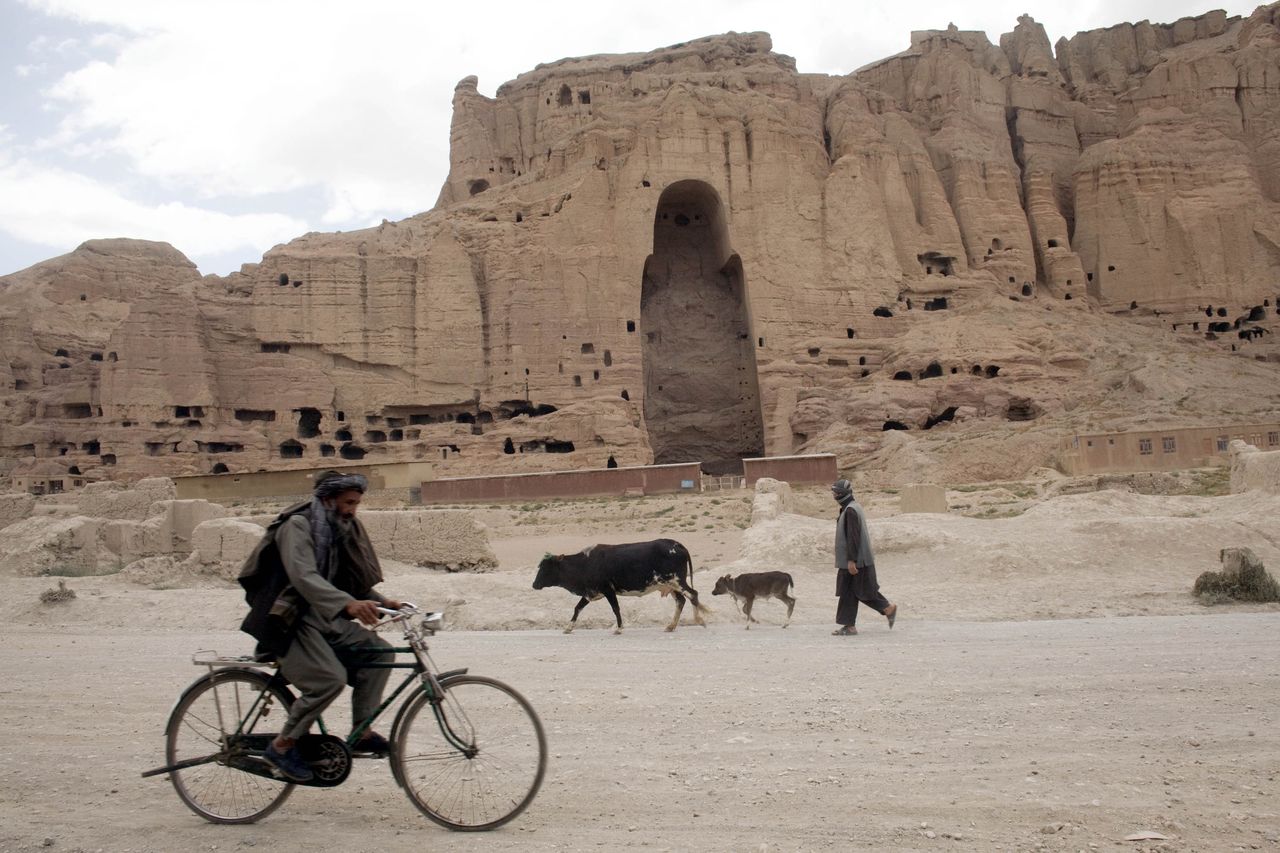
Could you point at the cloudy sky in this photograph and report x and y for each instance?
(225, 127)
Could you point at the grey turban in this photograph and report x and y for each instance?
(329, 484)
(332, 483)
(841, 489)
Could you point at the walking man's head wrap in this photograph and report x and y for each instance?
(842, 490)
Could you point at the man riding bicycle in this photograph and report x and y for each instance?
(312, 574)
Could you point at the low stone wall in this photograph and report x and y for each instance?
(817, 469)
(595, 482)
(390, 476)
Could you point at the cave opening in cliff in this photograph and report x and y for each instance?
(308, 422)
(702, 394)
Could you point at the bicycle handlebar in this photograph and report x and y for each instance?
(431, 620)
(407, 608)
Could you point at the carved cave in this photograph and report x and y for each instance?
(702, 396)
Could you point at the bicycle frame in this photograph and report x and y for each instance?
(476, 769)
(431, 685)
(420, 667)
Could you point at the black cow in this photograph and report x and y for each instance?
(753, 585)
(607, 571)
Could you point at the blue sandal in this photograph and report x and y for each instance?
(288, 764)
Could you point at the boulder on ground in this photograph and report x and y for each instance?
(773, 498)
(181, 518)
(219, 546)
(45, 545)
(168, 531)
(108, 499)
(15, 507)
(1252, 468)
(438, 539)
(134, 540)
(1243, 578)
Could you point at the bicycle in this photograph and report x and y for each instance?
(474, 770)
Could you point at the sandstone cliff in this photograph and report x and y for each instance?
(700, 253)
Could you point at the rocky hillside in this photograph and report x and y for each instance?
(701, 253)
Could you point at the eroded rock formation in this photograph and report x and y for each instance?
(701, 253)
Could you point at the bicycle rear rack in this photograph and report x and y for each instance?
(212, 660)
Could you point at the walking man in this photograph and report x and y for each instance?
(312, 574)
(855, 564)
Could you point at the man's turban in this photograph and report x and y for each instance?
(332, 483)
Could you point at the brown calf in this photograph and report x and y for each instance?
(755, 585)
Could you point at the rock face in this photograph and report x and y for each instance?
(699, 253)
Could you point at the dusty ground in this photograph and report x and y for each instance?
(1050, 682)
(1000, 735)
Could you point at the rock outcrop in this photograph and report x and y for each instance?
(1254, 469)
(699, 253)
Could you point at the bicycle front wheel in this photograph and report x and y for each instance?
(476, 759)
(227, 717)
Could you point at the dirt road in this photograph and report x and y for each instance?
(1060, 734)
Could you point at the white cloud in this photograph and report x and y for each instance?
(62, 209)
(251, 99)
(219, 101)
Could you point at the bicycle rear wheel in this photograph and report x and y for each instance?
(204, 724)
(475, 760)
